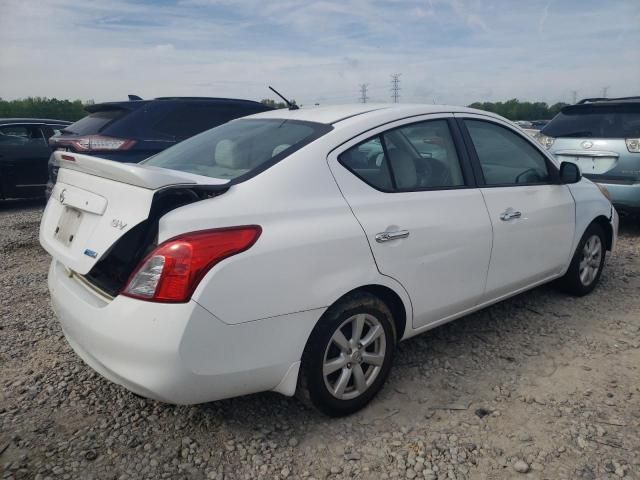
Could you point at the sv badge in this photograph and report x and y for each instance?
(119, 224)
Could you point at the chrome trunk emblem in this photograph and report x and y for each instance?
(587, 144)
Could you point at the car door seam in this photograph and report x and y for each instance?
(375, 262)
(486, 277)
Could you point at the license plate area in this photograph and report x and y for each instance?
(68, 224)
(593, 165)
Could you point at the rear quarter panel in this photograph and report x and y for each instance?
(311, 252)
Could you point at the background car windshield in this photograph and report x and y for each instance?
(612, 121)
(238, 147)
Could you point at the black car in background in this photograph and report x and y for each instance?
(130, 131)
(24, 154)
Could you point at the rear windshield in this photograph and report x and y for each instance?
(596, 121)
(95, 122)
(241, 147)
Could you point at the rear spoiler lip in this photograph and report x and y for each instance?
(151, 178)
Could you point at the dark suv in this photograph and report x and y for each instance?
(133, 130)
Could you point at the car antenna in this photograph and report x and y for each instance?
(292, 106)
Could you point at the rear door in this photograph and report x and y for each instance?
(411, 188)
(532, 215)
(24, 154)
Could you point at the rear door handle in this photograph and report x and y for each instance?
(509, 214)
(387, 236)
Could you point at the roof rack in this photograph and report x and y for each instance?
(603, 99)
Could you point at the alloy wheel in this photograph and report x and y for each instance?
(590, 260)
(354, 356)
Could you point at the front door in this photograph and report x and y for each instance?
(412, 191)
(533, 216)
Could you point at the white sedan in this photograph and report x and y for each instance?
(292, 250)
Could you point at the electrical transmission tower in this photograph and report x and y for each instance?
(574, 93)
(605, 90)
(395, 87)
(363, 93)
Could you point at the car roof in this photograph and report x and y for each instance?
(134, 104)
(5, 121)
(337, 113)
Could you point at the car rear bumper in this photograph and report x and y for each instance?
(175, 353)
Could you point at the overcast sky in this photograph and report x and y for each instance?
(448, 51)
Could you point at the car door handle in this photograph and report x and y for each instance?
(387, 236)
(509, 214)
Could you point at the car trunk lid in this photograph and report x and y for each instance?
(96, 202)
(592, 155)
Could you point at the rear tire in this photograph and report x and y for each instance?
(348, 355)
(587, 263)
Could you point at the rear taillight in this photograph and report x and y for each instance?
(93, 143)
(173, 270)
(633, 144)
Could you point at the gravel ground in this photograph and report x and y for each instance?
(542, 386)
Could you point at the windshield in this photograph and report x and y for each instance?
(596, 121)
(239, 147)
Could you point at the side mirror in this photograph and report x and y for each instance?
(569, 173)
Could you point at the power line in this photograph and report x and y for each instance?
(363, 93)
(395, 87)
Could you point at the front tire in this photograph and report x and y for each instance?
(348, 356)
(587, 263)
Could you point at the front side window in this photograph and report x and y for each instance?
(505, 157)
(239, 147)
(21, 135)
(419, 156)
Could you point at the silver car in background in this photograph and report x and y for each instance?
(602, 136)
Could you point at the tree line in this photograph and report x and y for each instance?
(72, 110)
(516, 110)
(42, 107)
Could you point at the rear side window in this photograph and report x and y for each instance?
(418, 156)
(596, 121)
(369, 163)
(505, 157)
(95, 122)
(185, 121)
(242, 147)
(21, 135)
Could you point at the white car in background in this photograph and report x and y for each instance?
(292, 250)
